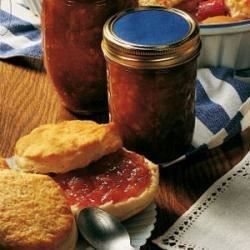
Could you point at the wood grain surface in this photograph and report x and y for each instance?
(27, 99)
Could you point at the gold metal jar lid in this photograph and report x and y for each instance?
(151, 37)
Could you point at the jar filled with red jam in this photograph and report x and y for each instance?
(151, 56)
(72, 34)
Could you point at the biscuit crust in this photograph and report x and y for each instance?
(221, 19)
(126, 209)
(34, 213)
(59, 148)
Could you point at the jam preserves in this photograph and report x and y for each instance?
(72, 34)
(116, 177)
(151, 80)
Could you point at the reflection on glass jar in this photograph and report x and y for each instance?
(72, 34)
(152, 87)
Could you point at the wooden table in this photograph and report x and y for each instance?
(27, 100)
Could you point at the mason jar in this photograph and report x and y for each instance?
(151, 56)
(72, 34)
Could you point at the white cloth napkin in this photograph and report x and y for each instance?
(219, 220)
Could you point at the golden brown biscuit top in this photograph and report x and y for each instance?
(34, 213)
(61, 147)
(164, 3)
(60, 139)
(238, 8)
(221, 19)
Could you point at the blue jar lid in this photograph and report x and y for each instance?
(151, 27)
(151, 37)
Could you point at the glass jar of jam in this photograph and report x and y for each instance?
(72, 34)
(151, 56)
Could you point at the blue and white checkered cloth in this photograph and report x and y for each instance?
(19, 31)
(222, 102)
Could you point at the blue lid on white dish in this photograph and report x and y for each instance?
(151, 37)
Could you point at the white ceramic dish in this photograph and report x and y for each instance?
(226, 45)
(141, 226)
(34, 5)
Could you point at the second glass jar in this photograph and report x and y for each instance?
(72, 34)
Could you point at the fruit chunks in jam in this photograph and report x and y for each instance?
(115, 177)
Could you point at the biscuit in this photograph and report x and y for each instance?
(34, 213)
(221, 19)
(238, 8)
(59, 148)
(163, 3)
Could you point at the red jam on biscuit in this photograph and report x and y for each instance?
(116, 177)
